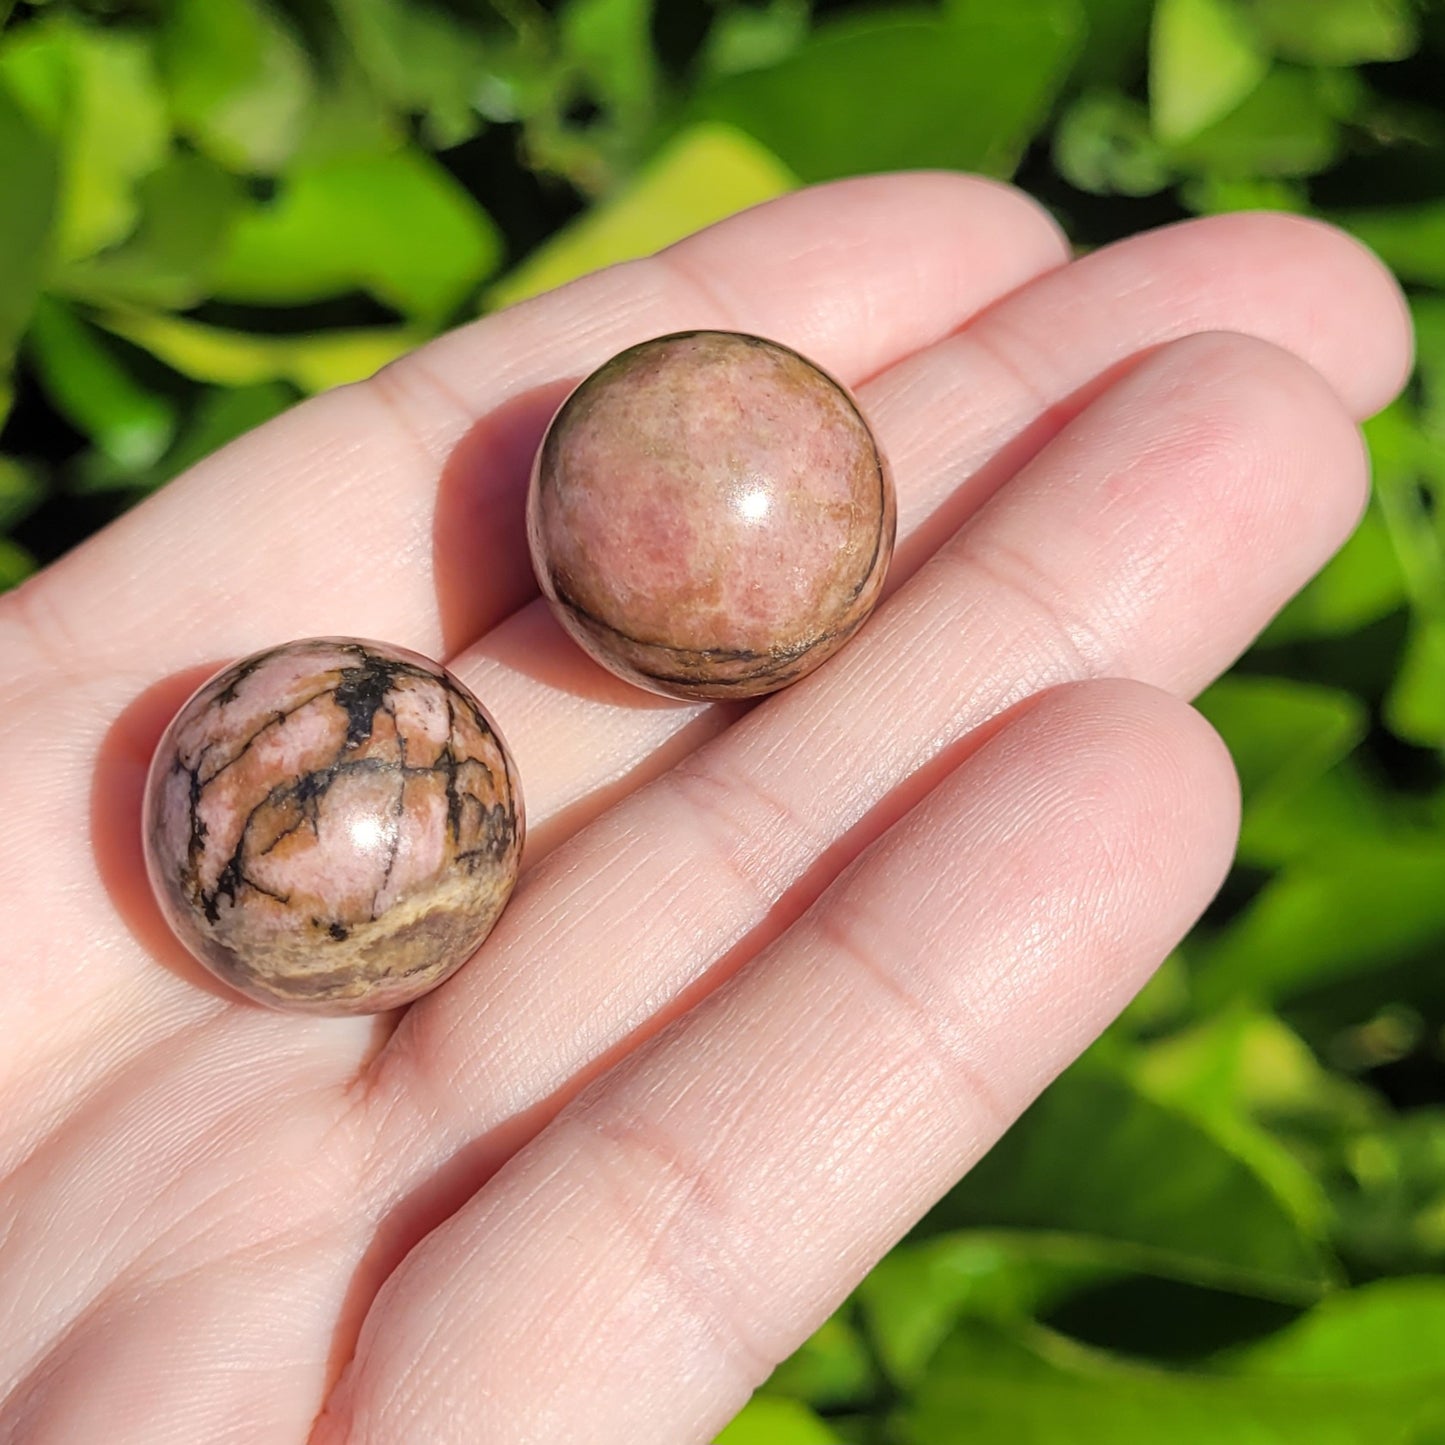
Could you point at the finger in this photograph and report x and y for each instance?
(1152, 538)
(394, 508)
(639, 1268)
(957, 420)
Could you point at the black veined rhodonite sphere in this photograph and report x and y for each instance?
(333, 826)
(710, 515)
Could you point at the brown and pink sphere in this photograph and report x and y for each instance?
(332, 826)
(710, 515)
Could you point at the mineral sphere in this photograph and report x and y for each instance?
(332, 826)
(710, 515)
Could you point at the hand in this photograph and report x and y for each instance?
(773, 979)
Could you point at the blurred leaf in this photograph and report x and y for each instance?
(1337, 32)
(1387, 1333)
(744, 37)
(1117, 41)
(1211, 195)
(27, 181)
(1096, 1156)
(610, 43)
(1360, 585)
(1204, 59)
(238, 80)
(1389, 1194)
(1410, 239)
(94, 92)
(1103, 143)
(423, 59)
(1282, 736)
(313, 362)
(876, 93)
(1284, 127)
(914, 1297)
(88, 384)
(1354, 908)
(1415, 708)
(187, 209)
(767, 1420)
(21, 491)
(831, 1369)
(395, 225)
(16, 564)
(1030, 1386)
(705, 174)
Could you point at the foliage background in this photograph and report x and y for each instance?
(1228, 1222)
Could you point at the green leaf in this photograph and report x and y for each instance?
(1103, 143)
(610, 44)
(220, 417)
(1284, 127)
(1415, 707)
(875, 92)
(743, 37)
(831, 1369)
(1116, 47)
(1030, 1386)
(395, 225)
(1362, 584)
(914, 1297)
(87, 383)
(769, 1421)
(95, 93)
(21, 491)
(1384, 1334)
(312, 362)
(16, 564)
(1337, 32)
(28, 173)
(423, 60)
(1097, 1157)
(187, 209)
(1409, 239)
(1355, 908)
(239, 81)
(1282, 736)
(705, 174)
(1204, 59)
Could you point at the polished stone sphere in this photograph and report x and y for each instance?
(332, 826)
(710, 515)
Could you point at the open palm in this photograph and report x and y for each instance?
(773, 979)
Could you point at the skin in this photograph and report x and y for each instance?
(773, 978)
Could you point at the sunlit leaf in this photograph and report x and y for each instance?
(1284, 127)
(395, 225)
(1337, 32)
(1352, 909)
(16, 564)
(95, 93)
(312, 362)
(1282, 734)
(1204, 59)
(745, 37)
(28, 184)
(705, 174)
(877, 92)
(1097, 1157)
(89, 384)
(1031, 1386)
(767, 1420)
(188, 207)
(238, 80)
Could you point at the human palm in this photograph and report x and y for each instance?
(773, 979)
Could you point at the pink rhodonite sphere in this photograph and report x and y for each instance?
(332, 826)
(710, 515)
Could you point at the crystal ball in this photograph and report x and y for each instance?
(710, 515)
(332, 826)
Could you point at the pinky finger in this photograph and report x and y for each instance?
(685, 1224)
